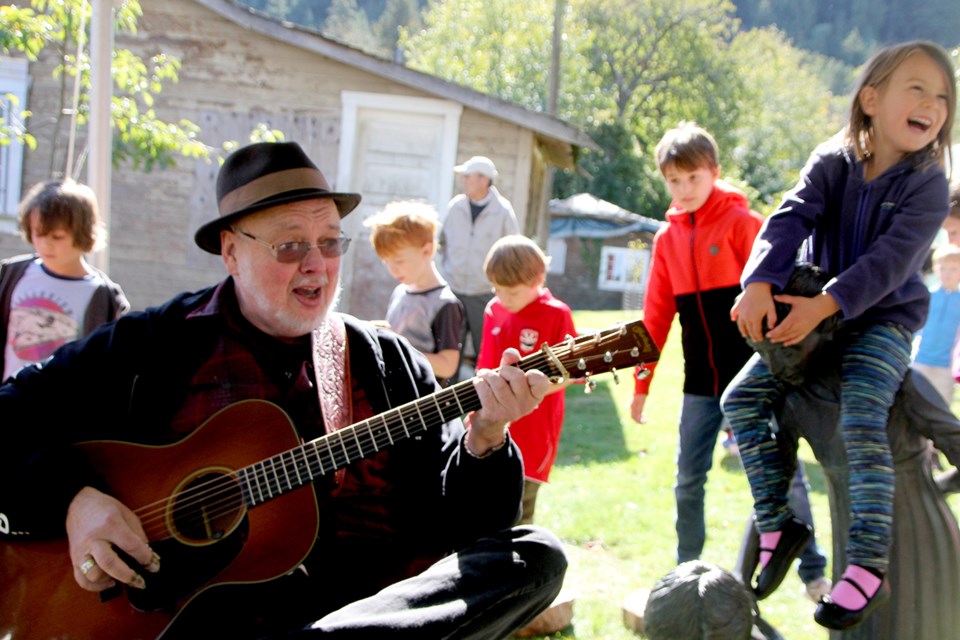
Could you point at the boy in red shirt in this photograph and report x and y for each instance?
(525, 315)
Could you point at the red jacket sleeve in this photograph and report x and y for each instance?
(659, 305)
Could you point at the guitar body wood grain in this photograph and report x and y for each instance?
(39, 597)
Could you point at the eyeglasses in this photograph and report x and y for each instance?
(292, 252)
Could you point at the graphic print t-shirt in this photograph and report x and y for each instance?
(46, 311)
(545, 320)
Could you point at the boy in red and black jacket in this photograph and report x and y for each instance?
(696, 264)
(695, 269)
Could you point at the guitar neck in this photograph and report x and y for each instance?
(325, 455)
(621, 346)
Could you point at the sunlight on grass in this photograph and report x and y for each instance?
(610, 499)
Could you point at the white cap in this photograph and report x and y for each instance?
(478, 164)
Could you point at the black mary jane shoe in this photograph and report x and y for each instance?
(832, 616)
(793, 538)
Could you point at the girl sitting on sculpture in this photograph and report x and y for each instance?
(866, 209)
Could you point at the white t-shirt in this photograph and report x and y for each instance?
(46, 312)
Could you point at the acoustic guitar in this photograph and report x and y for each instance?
(243, 513)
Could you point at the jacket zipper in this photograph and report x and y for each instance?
(703, 317)
(859, 227)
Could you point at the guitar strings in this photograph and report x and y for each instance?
(225, 487)
(231, 495)
(222, 495)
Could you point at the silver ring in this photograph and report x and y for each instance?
(87, 564)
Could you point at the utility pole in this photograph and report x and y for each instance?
(101, 97)
(553, 90)
(557, 44)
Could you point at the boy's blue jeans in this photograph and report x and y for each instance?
(700, 422)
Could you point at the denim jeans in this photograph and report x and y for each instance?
(700, 423)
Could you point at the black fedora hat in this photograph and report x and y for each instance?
(263, 175)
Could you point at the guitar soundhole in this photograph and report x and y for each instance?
(207, 508)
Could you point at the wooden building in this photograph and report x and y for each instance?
(372, 126)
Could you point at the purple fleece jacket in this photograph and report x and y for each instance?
(872, 237)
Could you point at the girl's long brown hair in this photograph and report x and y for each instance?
(878, 69)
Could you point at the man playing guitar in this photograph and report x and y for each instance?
(141, 443)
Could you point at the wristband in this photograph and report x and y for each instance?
(481, 456)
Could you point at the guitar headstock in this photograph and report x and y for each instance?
(620, 346)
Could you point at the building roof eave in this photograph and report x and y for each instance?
(542, 123)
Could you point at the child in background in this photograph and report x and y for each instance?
(524, 315)
(422, 307)
(952, 224)
(949, 480)
(939, 334)
(54, 296)
(866, 209)
(695, 270)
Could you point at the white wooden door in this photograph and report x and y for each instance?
(396, 154)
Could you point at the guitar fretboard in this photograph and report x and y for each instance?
(296, 467)
(608, 350)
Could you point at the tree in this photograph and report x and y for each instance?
(306, 13)
(139, 135)
(851, 31)
(347, 23)
(474, 43)
(663, 61)
(397, 15)
(619, 173)
(787, 110)
(650, 53)
(630, 69)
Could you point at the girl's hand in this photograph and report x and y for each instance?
(751, 308)
(805, 314)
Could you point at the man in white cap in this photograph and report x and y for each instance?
(329, 530)
(475, 219)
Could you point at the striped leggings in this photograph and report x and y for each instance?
(874, 362)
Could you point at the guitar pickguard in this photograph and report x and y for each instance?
(186, 568)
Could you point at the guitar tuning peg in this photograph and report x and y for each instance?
(588, 385)
(643, 373)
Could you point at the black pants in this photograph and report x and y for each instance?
(484, 591)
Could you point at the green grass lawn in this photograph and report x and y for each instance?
(610, 499)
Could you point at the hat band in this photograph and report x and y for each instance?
(270, 185)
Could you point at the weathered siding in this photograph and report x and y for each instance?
(230, 80)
